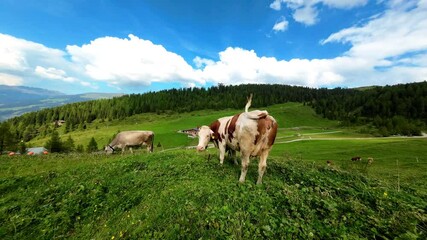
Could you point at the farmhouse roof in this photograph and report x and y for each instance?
(37, 150)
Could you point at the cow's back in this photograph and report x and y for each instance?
(255, 135)
(133, 137)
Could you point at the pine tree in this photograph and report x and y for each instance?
(22, 147)
(69, 145)
(54, 144)
(80, 148)
(92, 146)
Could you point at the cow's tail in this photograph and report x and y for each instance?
(152, 143)
(249, 102)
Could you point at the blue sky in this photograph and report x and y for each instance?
(134, 46)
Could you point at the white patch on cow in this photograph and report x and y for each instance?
(205, 134)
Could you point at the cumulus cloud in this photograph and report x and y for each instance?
(118, 62)
(388, 48)
(306, 11)
(21, 55)
(22, 60)
(238, 66)
(281, 26)
(131, 61)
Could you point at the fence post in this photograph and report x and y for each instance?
(398, 177)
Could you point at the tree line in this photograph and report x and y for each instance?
(397, 109)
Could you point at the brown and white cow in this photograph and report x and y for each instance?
(252, 133)
(129, 139)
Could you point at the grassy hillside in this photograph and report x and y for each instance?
(302, 135)
(181, 194)
(166, 125)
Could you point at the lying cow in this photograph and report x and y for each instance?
(129, 139)
(252, 133)
(356, 159)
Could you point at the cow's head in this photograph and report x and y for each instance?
(109, 149)
(204, 134)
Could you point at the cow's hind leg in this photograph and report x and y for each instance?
(234, 156)
(245, 165)
(262, 165)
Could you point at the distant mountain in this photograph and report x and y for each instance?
(17, 100)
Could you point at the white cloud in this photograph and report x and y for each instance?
(238, 66)
(307, 15)
(200, 62)
(10, 80)
(341, 4)
(281, 26)
(131, 61)
(306, 11)
(276, 5)
(53, 73)
(389, 48)
(397, 32)
(22, 55)
(22, 60)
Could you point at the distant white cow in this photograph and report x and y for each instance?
(129, 139)
(252, 133)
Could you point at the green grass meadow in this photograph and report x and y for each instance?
(178, 193)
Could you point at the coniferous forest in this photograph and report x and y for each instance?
(398, 109)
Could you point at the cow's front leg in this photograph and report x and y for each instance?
(131, 151)
(245, 165)
(221, 153)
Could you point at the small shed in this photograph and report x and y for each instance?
(192, 133)
(36, 150)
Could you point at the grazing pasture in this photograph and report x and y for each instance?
(177, 193)
(180, 194)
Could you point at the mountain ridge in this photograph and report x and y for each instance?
(17, 100)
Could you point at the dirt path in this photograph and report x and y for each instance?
(309, 138)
